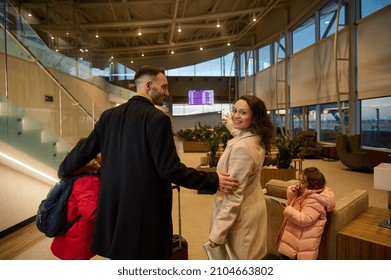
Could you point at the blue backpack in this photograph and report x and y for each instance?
(52, 212)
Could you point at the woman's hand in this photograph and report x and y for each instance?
(213, 245)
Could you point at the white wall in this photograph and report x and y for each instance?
(21, 190)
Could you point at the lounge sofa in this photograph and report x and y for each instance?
(347, 209)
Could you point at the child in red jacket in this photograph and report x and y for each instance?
(305, 216)
(76, 242)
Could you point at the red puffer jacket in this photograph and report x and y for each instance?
(76, 243)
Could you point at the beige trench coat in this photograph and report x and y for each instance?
(239, 219)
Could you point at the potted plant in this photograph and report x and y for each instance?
(290, 148)
(210, 137)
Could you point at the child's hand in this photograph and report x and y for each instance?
(297, 189)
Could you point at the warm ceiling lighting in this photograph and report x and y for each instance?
(96, 34)
(139, 32)
(172, 52)
(142, 54)
(179, 28)
(254, 18)
(228, 44)
(201, 48)
(218, 24)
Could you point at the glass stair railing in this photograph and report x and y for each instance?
(24, 132)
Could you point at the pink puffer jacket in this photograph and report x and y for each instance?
(305, 218)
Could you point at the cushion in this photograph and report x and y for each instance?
(277, 188)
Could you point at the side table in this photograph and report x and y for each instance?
(329, 152)
(364, 239)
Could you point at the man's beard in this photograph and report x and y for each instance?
(157, 97)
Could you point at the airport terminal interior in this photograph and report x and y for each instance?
(322, 68)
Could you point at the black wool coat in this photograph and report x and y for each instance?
(139, 163)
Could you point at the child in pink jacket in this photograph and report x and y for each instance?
(305, 216)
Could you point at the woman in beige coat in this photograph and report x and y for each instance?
(238, 225)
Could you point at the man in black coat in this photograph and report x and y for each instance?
(139, 163)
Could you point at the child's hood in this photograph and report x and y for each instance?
(325, 198)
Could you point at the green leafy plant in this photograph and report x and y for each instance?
(212, 136)
(290, 148)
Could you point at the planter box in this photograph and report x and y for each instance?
(194, 147)
(274, 173)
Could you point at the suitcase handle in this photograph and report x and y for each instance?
(179, 214)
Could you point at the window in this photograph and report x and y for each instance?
(250, 63)
(242, 65)
(330, 125)
(304, 35)
(182, 71)
(376, 122)
(279, 47)
(369, 7)
(328, 16)
(264, 60)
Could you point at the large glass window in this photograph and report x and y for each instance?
(376, 122)
(297, 114)
(328, 16)
(209, 68)
(368, 7)
(304, 35)
(242, 65)
(182, 71)
(184, 109)
(250, 63)
(229, 65)
(264, 59)
(330, 125)
(221, 66)
(279, 47)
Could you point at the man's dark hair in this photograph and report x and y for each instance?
(148, 70)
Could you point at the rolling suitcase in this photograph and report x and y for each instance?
(179, 244)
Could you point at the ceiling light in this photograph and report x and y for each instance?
(254, 18)
(179, 28)
(139, 32)
(228, 44)
(201, 48)
(218, 24)
(96, 34)
(142, 54)
(172, 52)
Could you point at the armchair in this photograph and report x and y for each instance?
(315, 148)
(350, 152)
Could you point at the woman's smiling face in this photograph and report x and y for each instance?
(242, 116)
